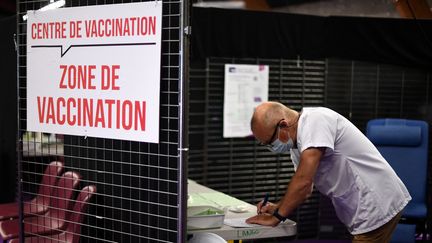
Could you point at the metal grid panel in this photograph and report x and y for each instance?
(363, 91)
(139, 185)
(360, 91)
(238, 166)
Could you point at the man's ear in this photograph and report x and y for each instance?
(283, 123)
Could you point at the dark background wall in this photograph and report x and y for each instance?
(8, 114)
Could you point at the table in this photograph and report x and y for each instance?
(219, 199)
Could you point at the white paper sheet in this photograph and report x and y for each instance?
(246, 86)
(238, 223)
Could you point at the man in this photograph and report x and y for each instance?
(328, 151)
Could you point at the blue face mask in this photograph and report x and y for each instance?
(280, 147)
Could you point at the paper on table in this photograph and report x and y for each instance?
(238, 223)
(221, 199)
(216, 199)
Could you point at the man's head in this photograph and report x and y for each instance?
(272, 121)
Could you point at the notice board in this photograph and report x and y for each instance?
(245, 87)
(95, 71)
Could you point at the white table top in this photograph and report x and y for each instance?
(287, 228)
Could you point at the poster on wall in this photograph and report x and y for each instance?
(95, 71)
(246, 86)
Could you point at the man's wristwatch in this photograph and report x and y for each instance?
(278, 216)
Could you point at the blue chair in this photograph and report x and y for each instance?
(404, 234)
(404, 144)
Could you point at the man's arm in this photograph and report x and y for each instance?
(298, 190)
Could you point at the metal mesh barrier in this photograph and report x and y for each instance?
(139, 186)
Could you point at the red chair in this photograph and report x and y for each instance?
(73, 230)
(54, 220)
(40, 203)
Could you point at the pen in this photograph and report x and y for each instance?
(265, 200)
(264, 203)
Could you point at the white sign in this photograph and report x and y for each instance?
(246, 86)
(95, 71)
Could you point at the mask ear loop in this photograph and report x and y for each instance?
(281, 126)
(279, 129)
(286, 126)
(278, 132)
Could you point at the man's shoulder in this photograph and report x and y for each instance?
(319, 112)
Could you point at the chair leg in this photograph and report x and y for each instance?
(426, 234)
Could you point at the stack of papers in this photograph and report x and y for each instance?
(239, 223)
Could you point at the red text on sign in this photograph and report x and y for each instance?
(75, 29)
(88, 112)
(77, 77)
(109, 77)
(50, 30)
(132, 26)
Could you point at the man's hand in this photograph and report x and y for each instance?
(268, 208)
(263, 219)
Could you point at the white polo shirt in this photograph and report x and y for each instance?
(364, 189)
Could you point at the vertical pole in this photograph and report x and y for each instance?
(185, 30)
(18, 146)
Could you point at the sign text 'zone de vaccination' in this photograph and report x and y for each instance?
(95, 71)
